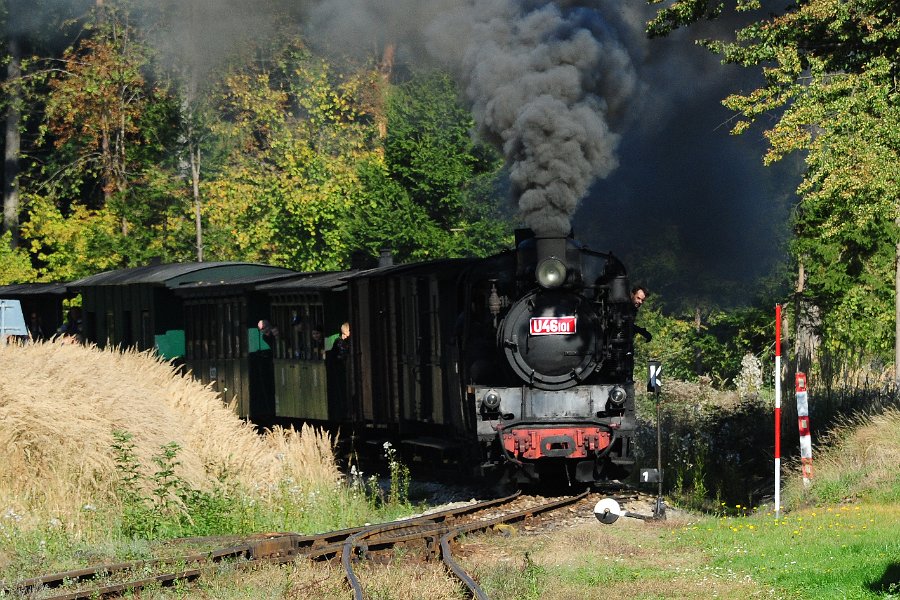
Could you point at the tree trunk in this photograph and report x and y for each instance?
(13, 142)
(897, 312)
(385, 69)
(194, 149)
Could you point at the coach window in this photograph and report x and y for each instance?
(296, 316)
(316, 323)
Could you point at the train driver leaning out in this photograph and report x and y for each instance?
(638, 295)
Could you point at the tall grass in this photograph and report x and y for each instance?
(861, 462)
(101, 447)
(718, 448)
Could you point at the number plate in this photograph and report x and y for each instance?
(552, 325)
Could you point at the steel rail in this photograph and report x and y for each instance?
(270, 548)
(55, 580)
(277, 548)
(447, 538)
(439, 518)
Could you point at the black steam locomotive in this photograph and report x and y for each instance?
(547, 354)
(519, 363)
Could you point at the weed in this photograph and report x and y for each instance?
(399, 474)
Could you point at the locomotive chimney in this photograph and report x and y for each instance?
(551, 247)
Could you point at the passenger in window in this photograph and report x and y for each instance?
(297, 337)
(340, 346)
(269, 333)
(317, 343)
(36, 327)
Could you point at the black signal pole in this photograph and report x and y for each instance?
(654, 368)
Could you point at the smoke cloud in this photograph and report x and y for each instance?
(541, 78)
(623, 135)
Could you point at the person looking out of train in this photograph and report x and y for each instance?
(638, 294)
(35, 327)
(341, 347)
(268, 333)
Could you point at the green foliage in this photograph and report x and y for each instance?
(399, 474)
(162, 505)
(295, 167)
(68, 247)
(429, 150)
(523, 580)
(15, 264)
(715, 350)
(433, 192)
(831, 77)
(288, 183)
(845, 551)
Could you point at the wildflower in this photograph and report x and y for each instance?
(11, 514)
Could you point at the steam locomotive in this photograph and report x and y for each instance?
(548, 366)
(518, 364)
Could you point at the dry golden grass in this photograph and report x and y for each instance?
(863, 453)
(61, 403)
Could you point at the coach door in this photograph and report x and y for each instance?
(301, 390)
(420, 367)
(216, 350)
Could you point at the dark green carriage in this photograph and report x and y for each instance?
(305, 310)
(45, 301)
(406, 383)
(202, 315)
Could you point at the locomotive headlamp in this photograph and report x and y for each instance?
(550, 273)
(491, 400)
(617, 396)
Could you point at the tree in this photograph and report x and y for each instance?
(831, 75)
(12, 146)
(435, 177)
(30, 27)
(293, 136)
(95, 106)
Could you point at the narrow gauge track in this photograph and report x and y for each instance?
(437, 531)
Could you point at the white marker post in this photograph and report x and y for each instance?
(777, 410)
(803, 424)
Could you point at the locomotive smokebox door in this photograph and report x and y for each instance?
(549, 339)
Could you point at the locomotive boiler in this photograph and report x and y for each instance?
(547, 356)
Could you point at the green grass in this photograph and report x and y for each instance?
(833, 552)
(140, 519)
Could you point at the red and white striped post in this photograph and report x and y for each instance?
(803, 423)
(777, 410)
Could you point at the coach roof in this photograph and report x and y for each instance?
(174, 275)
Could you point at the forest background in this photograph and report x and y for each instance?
(122, 149)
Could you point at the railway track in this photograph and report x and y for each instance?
(434, 535)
